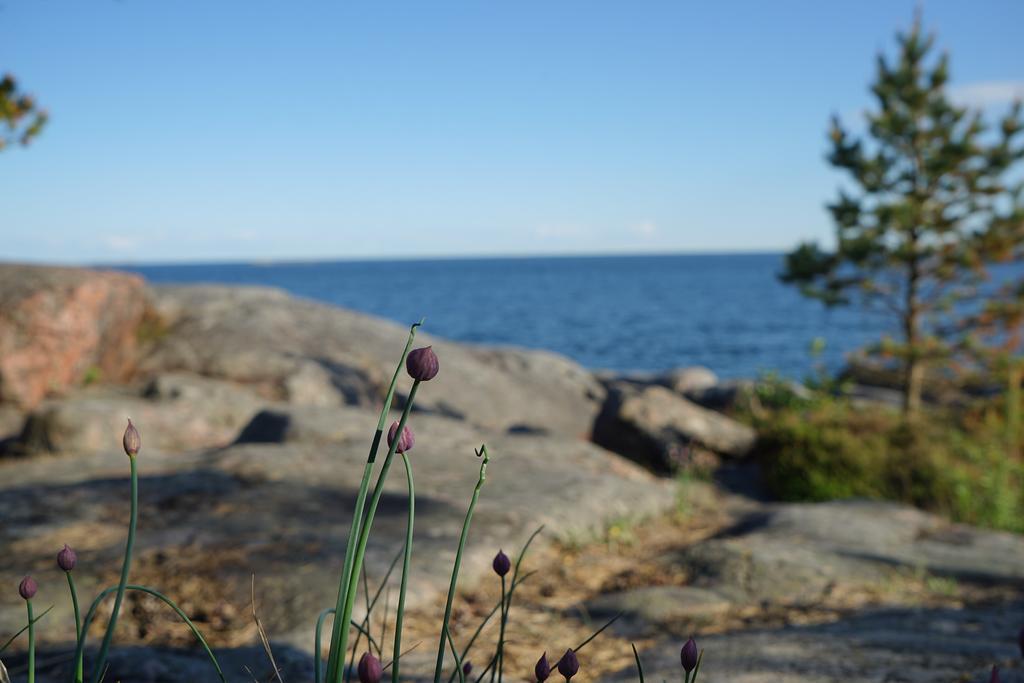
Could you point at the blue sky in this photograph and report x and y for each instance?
(292, 130)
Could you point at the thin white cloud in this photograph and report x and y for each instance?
(116, 242)
(554, 231)
(987, 93)
(644, 229)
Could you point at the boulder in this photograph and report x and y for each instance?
(654, 425)
(177, 412)
(12, 420)
(62, 326)
(689, 380)
(308, 353)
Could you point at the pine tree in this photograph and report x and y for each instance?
(21, 119)
(934, 204)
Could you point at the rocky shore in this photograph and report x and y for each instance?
(256, 407)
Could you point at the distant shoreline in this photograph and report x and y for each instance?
(424, 259)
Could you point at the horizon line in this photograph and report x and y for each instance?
(300, 260)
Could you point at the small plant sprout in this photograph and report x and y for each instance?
(131, 440)
(690, 658)
(422, 364)
(370, 670)
(405, 442)
(27, 590)
(67, 558)
(569, 664)
(542, 669)
(445, 634)
(501, 564)
(132, 443)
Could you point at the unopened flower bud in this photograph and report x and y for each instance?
(27, 588)
(67, 558)
(370, 670)
(501, 563)
(688, 656)
(543, 669)
(467, 668)
(421, 364)
(568, 665)
(132, 442)
(405, 443)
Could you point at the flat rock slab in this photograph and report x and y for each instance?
(796, 552)
(209, 520)
(912, 645)
(653, 607)
(303, 352)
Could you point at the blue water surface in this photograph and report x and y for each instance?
(724, 311)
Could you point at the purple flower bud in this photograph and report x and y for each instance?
(421, 364)
(370, 669)
(501, 563)
(405, 443)
(132, 442)
(27, 588)
(542, 670)
(67, 558)
(568, 665)
(994, 678)
(688, 656)
(467, 668)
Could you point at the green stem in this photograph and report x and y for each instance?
(125, 567)
(501, 632)
(639, 666)
(317, 638)
(364, 535)
(23, 629)
(318, 662)
(490, 665)
(410, 520)
(339, 635)
(515, 582)
(366, 625)
(78, 619)
(458, 659)
(31, 644)
(80, 650)
(458, 561)
(596, 633)
(696, 669)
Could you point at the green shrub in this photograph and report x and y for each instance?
(955, 463)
